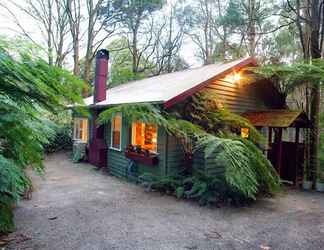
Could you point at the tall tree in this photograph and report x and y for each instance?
(96, 31)
(198, 20)
(136, 24)
(168, 38)
(73, 9)
(308, 17)
(52, 19)
(316, 41)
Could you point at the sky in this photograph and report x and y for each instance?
(9, 28)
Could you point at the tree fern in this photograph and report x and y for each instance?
(28, 85)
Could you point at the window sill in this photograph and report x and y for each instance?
(79, 141)
(151, 159)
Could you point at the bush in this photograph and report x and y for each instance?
(13, 183)
(199, 186)
(62, 139)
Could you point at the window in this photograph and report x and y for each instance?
(145, 136)
(80, 129)
(116, 126)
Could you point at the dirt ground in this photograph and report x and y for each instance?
(77, 207)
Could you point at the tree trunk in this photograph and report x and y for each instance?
(90, 38)
(135, 51)
(315, 91)
(76, 57)
(50, 34)
(251, 28)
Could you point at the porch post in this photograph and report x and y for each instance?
(296, 155)
(279, 152)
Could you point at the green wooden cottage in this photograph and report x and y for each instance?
(125, 147)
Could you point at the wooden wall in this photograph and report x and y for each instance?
(236, 97)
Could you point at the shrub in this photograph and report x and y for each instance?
(62, 139)
(201, 187)
(13, 183)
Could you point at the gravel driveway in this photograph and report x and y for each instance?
(78, 207)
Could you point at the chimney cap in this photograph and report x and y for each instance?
(103, 53)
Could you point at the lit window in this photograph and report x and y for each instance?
(145, 136)
(80, 129)
(245, 132)
(116, 126)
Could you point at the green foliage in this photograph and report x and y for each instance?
(286, 77)
(235, 157)
(6, 219)
(62, 139)
(122, 75)
(13, 182)
(28, 87)
(199, 186)
(121, 67)
(202, 109)
(266, 175)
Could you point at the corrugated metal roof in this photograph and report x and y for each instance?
(167, 87)
(277, 118)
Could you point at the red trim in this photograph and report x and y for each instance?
(249, 61)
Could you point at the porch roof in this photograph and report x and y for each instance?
(278, 118)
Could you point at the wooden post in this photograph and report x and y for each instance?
(296, 155)
(279, 152)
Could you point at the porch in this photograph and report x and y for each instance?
(285, 134)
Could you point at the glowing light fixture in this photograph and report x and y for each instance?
(245, 132)
(236, 77)
(233, 77)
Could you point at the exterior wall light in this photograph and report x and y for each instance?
(245, 132)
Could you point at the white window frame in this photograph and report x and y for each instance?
(112, 129)
(76, 129)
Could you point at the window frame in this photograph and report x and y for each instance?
(143, 130)
(76, 129)
(112, 129)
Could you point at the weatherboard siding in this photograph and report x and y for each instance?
(116, 160)
(174, 156)
(235, 97)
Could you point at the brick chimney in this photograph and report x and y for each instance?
(101, 76)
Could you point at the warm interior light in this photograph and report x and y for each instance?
(144, 135)
(245, 132)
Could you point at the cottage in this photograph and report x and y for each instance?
(231, 84)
